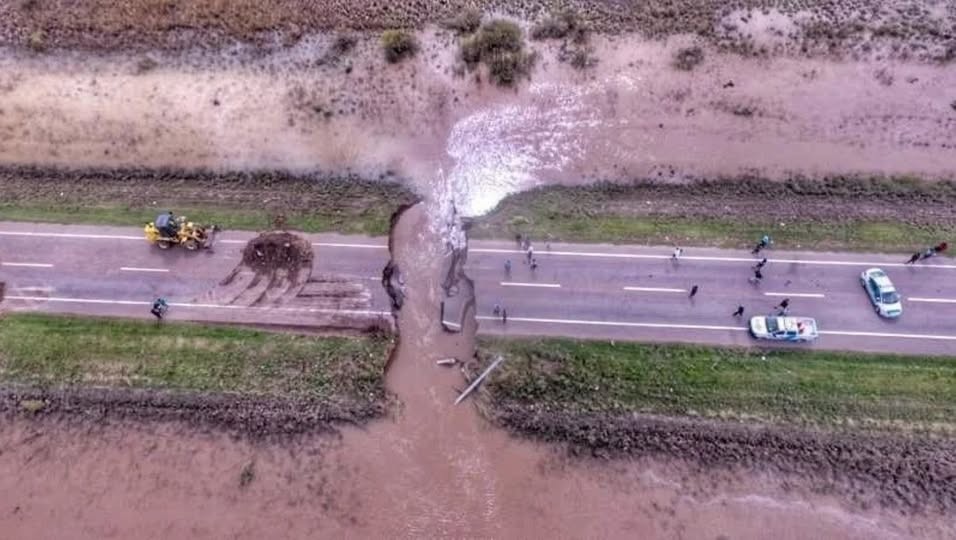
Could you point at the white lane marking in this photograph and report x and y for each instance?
(521, 284)
(32, 289)
(796, 295)
(28, 265)
(617, 323)
(71, 235)
(886, 335)
(710, 327)
(360, 246)
(932, 300)
(198, 306)
(749, 260)
(654, 289)
(134, 269)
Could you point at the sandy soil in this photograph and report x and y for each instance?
(633, 116)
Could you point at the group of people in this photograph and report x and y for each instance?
(929, 252)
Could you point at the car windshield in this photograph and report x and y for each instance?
(771, 325)
(890, 297)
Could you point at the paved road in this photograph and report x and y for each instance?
(614, 292)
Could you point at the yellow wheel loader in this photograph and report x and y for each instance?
(169, 230)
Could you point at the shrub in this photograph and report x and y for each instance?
(398, 45)
(688, 58)
(500, 45)
(466, 22)
(559, 26)
(37, 40)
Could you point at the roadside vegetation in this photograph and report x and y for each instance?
(252, 201)
(838, 214)
(50, 351)
(807, 387)
(499, 45)
(399, 45)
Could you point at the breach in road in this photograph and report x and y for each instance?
(169, 230)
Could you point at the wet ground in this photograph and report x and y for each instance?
(435, 469)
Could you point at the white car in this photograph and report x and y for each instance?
(882, 293)
(784, 328)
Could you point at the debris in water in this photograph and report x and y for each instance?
(477, 381)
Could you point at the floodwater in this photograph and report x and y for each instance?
(435, 469)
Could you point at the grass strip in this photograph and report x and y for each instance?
(372, 221)
(836, 214)
(50, 350)
(805, 387)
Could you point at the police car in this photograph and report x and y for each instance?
(784, 328)
(882, 293)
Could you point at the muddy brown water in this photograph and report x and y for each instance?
(435, 469)
(430, 470)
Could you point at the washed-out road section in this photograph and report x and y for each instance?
(587, 291)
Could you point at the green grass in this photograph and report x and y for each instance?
(621, 214)
(372, 221)
(48, 350)
(819, 388)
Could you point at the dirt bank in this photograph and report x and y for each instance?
(902, 29)
(910, 474)
(248, 415)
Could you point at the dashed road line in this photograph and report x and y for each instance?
(932, 300)
(886, 335)
(135, 269)
(27, 265)
(71, 235)
(521, 284)
(616, 323)
(796, 295)
(655, 289)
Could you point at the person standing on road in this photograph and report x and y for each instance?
(534, 264)
(760, 264)
(530, 253)
(739, 312)
(784, 306)
(504, 316)
(693, 291)
(678, 251)
(758, 275)
(508, 267)
(496, 310)
(914, 258)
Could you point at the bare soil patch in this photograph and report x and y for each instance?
(278, 250)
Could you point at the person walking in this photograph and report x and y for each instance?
(504, 316)
(783, 307)
(530, 253)
(914, 258)
(534, 264)
(739, 312)
(678, 251)
(941, 247)
(693, 291)
(508, 267)
(760, 264)
(758, 275)
(496, 310)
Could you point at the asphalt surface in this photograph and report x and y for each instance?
(598, 291)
